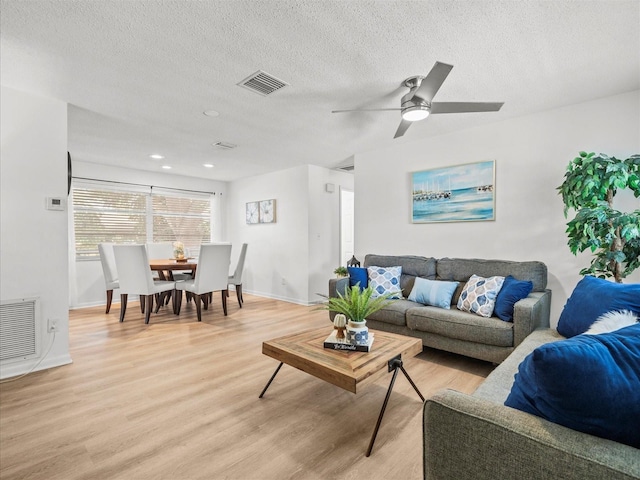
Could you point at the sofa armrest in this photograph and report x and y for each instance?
(530, 314)
(468, 438)
(337, 285)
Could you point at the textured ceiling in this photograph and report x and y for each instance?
(138, 74)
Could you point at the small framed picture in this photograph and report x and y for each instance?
(252, 212)
(268, 211)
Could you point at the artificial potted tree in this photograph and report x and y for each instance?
(590, 184)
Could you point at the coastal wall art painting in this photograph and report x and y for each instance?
(460, 193)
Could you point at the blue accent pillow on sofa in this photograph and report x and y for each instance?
(358, 275)
(433, 292)
(511, 292)
(591, 298)
(590, 383)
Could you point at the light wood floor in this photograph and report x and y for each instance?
(178, 399)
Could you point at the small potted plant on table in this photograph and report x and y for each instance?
(356, 304)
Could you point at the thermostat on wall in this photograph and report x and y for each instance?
(55, 203)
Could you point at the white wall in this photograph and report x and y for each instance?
(324, 227)
(292, 258)
(33, 244)
(86, 286)
(531, 155)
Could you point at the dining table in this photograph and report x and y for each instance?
(166, 266)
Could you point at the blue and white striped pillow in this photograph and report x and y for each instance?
(433, 292)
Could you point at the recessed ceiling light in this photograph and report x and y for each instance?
(208, 165)
(166, 167)
(156, 156)
(211, 113)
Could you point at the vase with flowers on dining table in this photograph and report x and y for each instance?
(178, 250)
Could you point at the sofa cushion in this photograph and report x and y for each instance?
(385, 280)
(512, 291)
(590, 383)
(461, 269)
(479, 295)
(461, 325)
(433, 292)
(412, 267)
(358, 275)
(394, 312)
(591, 298)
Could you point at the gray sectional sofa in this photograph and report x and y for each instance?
(489, 339)
(475, 437)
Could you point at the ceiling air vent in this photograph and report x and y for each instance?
(347, 168)
(224, 145)
(262, 83)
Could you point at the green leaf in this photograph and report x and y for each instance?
(629, 232)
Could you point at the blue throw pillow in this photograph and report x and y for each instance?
(511, 292)
(589, 383)
(358, 275)
(433, 292)
(591, 298)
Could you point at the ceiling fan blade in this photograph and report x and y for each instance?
(433, 81)
(404, 126)
(465, 107)
(366, 110)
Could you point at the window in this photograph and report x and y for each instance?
(101, 214)
(180, 218)
(107, 216)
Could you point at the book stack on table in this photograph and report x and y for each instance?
(342, 344)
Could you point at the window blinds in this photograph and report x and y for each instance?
(179, 218)
(103, 214)
(107, 216)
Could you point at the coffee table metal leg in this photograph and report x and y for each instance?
(411, 382)
(271, 380)
(384, 406)
(394, 364)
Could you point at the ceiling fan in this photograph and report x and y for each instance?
(417, 104)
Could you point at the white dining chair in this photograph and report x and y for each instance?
(236, 278)
(211, 276)
(109, 270)
(135, 277)
(160, 250)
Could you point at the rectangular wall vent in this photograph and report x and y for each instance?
(19, 330)
(224, 145)
(262, 83)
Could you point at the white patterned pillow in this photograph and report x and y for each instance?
(479, 295)
(385, 280)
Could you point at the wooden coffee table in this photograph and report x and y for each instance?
(348, 370)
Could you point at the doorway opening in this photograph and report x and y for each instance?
(346, 225)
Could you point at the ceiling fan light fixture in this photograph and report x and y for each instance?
(415, 113)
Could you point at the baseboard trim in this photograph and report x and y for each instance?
(20, 368)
